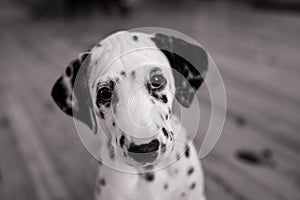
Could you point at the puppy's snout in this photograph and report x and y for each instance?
(144, 153)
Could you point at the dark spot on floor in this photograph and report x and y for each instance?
(135, 38)
(4, 122)
(49, 106)
(250, 157)
(240, 121)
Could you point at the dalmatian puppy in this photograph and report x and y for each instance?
(131, 96)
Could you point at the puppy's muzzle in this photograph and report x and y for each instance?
(144, 153)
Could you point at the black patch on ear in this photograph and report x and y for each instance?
(64, 92)
(189, 61)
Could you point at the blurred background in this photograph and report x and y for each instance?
(255, 44)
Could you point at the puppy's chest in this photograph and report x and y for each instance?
(181, 180)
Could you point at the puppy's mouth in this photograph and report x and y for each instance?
(144, 156)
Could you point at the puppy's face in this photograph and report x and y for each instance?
(132, 96)
(126, 86)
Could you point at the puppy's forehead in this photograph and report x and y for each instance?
(125, 51)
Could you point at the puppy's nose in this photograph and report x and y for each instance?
(144, 153)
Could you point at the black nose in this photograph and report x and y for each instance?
(145, 152)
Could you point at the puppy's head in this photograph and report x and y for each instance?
(126, 85)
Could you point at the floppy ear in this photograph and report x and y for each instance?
(71, 93)
(189, 63)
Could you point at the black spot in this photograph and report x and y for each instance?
(114, 123)
(165, 132)
(167, 117)
(102, 181)
(149, 176)
(166, 186)
(190, 171)
(102, 114)
(163, 148)
(122, 140)
(123, 73)
(4, 122)
(135, 38)
(164, 98)
(249, 157)
(187, 151)
(240, 121)
(169, 111)
(193, 186)
(133, 74)
(68, 71)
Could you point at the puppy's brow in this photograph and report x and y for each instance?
(155, 69)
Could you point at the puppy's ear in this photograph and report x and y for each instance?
(189, 63)
(71, 93)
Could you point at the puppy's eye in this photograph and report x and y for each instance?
(104, 94)
(158, 81)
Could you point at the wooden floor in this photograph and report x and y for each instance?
(258, 53)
